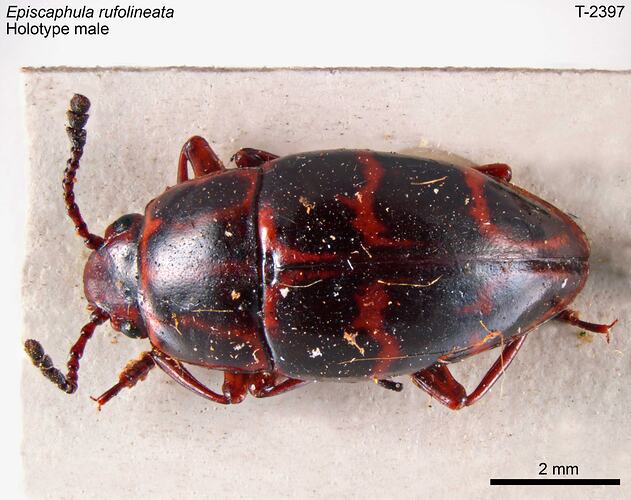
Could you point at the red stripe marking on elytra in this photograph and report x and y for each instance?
(483, 302)
(372, 303)
(576, 230)
(241, 208)
(363, 204)
(254, 360)
(232, 212)
(152, 322)
(481, 340)
(479, 210)
(491, 341)
(270, 319)
(281, 252)
(150, 227)
(563, 303)
(502, 281)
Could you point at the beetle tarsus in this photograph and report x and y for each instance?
(390, 385)
(134, 372)
(499, 171)
(570, 316)
(251, 158)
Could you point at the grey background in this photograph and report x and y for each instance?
(565, 400)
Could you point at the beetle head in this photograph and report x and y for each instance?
(111, 276)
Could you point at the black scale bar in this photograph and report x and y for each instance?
(560, 481)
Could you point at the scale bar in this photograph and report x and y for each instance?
(560, 481)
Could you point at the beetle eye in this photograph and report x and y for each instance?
(121, 224)
(130, 330)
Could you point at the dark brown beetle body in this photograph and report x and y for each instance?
(338, 264)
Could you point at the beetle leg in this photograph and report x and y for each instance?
(201, 156)
(439, 383)
(499, 171)
(389, 384)
(265, 385)
(182, 376)
(235, 386)
(250, 157)
(570, 316)
(134, 372)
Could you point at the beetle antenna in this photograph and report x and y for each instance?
(68, 382)
(77, 118)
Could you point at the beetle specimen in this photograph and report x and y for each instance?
(330, 265)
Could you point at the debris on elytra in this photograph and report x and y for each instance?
(176, 323)
(212, 310)
(315, 353)
(355, 360)
(351, 338)
(426, 183)
(235, 295)
(486, 328)
(366, 250)
(415, 285)
(490, 334)
(302, 286)
(307, 204)
(284, 292)
(228, 234)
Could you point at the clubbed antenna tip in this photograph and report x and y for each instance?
(42, 360)
(77, 118)
(79, 104)
(68, 382)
